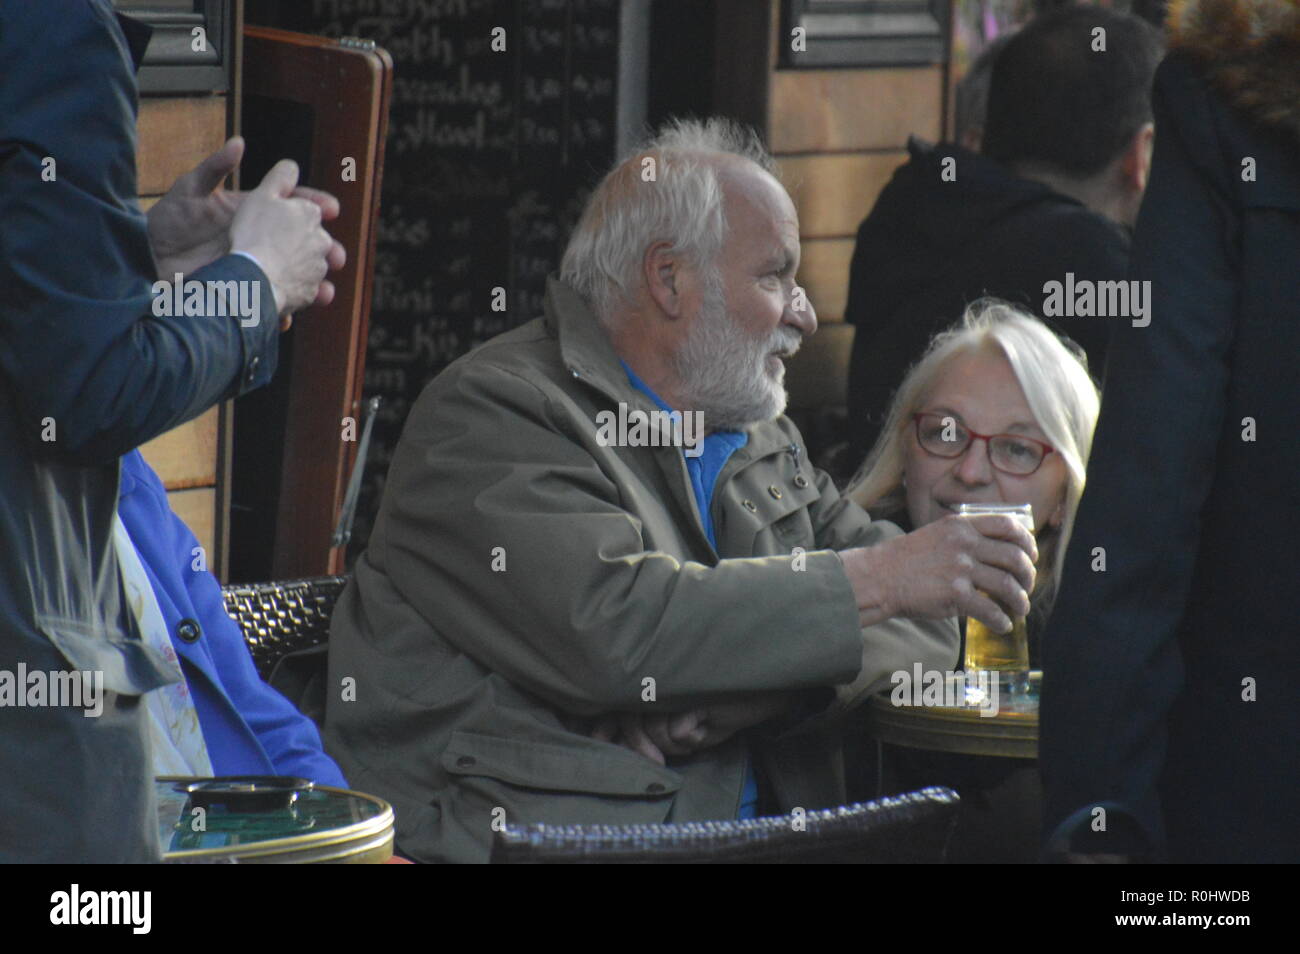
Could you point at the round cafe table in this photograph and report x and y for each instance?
(989, 760)
(1011, 733)
(322, 825)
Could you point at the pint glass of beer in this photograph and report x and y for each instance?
(1004, 653)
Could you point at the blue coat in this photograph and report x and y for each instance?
(249, 728)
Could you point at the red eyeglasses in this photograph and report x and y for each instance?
(944, 436)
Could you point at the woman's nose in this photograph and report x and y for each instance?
(973, 467)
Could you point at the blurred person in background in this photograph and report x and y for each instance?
(1065, 146)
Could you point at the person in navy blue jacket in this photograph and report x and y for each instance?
(248, 727)
(94, 363)
(1169, 728)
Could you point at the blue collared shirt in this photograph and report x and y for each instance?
(703, 470)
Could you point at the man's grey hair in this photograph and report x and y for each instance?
(666, 190)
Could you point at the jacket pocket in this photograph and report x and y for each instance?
(497, 781)
(129, 667)
(594, 768)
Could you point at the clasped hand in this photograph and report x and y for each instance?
(658, 735)
(278, 223)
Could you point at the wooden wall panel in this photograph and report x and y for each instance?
(198, 508)
(186, 456)
(848, 110)
(824, 273)
(833, 193)
(175, 135)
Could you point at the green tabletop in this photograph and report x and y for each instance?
(323, 824)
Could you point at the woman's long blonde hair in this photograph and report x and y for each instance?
(1063, 398)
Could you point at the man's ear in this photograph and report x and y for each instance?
(1135, 163)
(662, 271)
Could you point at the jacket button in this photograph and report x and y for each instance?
(655, 788)
(750, 506)
(465, 761)
(775, 491)
(188, 631)
(800, 480)
(250, 375)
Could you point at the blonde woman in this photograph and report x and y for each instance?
(998, 410)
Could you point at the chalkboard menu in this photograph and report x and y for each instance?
(503, 118)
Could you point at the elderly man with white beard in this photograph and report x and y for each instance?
(550, 625)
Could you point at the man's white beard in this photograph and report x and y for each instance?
(724, 373)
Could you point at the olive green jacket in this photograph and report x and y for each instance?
(522, 578)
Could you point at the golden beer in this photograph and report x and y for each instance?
(1000, 652)
(985, 649)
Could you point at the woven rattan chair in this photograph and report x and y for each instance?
(912, 829)
(283, 617)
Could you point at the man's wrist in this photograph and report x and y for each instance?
(865, 573)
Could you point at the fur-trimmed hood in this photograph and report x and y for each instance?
(1250, 50)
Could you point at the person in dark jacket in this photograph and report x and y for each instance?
(1066, 143)
(88, 371)
(1169, 722)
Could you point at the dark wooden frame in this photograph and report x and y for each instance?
(170, 66)
(864, 33)
(328, 363)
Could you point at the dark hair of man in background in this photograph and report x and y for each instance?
(1056, 100)
(971, 100)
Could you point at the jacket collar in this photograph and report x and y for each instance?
(589, 356)
(584, 346)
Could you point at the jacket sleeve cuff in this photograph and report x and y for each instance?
(259, 330)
